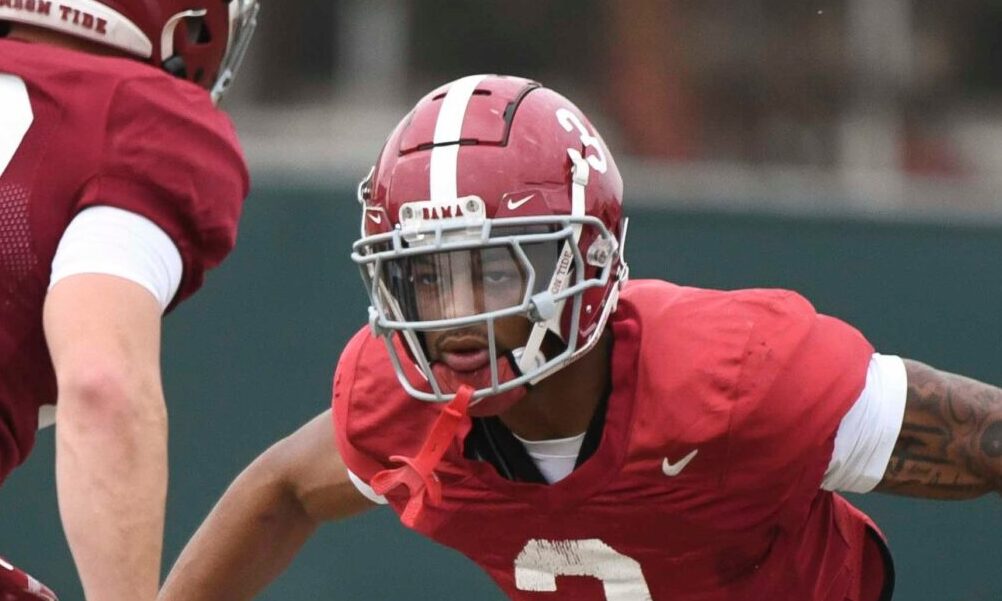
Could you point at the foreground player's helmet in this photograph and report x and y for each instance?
(494, 198)
(202, 41)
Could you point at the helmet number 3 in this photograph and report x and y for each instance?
(15, 119)
(541, 561)
(570, 122)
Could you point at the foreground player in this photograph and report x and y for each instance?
(595, 439)
(120, 185)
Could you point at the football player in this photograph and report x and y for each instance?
(578, 435)
(121, 183)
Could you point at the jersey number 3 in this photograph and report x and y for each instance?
(15, 118)
(541, 561)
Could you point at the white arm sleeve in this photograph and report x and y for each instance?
(365, 489)
(868, 432)
(121, 243)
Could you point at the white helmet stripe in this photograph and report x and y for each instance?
(449, 128)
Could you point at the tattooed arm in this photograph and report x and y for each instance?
(950, 446)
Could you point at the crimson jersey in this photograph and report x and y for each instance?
(97, 131)
(706, 481)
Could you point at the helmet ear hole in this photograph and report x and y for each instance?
(197, 31)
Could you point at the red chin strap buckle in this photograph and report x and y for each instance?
(16, 585)
(418, 473)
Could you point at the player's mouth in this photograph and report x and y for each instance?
(466, 361)
(465, 354)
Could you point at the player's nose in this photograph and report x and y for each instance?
(462, 303)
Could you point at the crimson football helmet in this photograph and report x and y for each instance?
(203, 41)
(493, 198)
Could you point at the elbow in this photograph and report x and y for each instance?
(274, 470)
(269, 481)
(109, 395)
(286, 473)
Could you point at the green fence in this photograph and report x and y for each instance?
(250, 359)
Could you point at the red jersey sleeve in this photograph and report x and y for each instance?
(359, 462)
(801, 375)
(172, 157)
(374, 417)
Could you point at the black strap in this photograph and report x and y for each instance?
(593, 436)
(888, 590)
(490, 440)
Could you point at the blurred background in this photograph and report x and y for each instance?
(879, 106)
(849, 150)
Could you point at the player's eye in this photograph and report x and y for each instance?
(498, 277)
(425, 279)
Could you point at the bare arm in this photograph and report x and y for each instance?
(950, 446)
(103, 334)
(264, 517)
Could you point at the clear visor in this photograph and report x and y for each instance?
(456, 284)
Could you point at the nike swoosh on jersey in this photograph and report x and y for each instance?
(375, 218)
(673, 469)
(514, 204)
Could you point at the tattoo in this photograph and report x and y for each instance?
(991, 440)
(950, 446)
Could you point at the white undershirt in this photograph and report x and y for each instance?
(121, 243)
(863, 444)
(868, 432)
(556, 457)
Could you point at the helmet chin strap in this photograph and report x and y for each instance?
(547, 311)
(417, 474)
